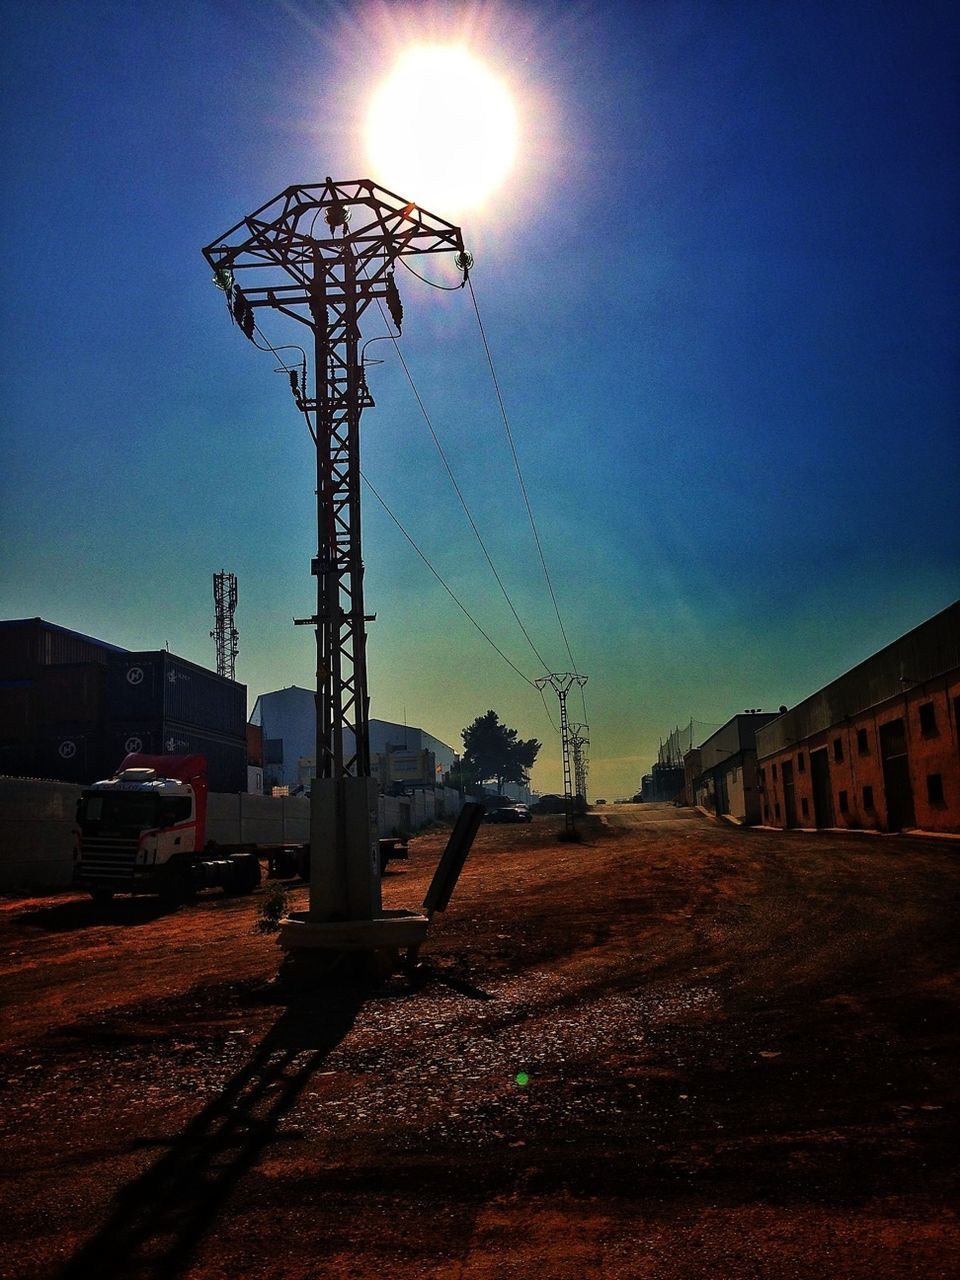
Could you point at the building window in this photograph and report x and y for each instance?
(801, 763)
(776, 810)
(928, 720)
(804, 807)
(842, 798)
(868, 798)
(935, 788)
(773, 772)
(863, 746)
(838, 750)
(766, 813)
(762, 776)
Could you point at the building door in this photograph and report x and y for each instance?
(896, 775)
(822, 794)
(789, 799)
(723, 800)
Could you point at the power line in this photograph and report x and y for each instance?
(523, 487)
(456, 486)
(447, 288)
(450, 592)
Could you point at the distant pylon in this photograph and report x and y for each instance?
(226, 634)
(561, 682)
(579, 740)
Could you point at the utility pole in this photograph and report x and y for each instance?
(561, 683)
(226, 634)
(321, 254)
(579, 740)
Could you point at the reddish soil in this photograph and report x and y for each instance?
(673, 1051)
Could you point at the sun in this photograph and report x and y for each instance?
(442, 130)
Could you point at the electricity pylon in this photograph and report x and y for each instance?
(321, 254)
(579, 740)
(226, 635)
(562, 682)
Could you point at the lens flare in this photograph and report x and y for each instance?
(442, 130)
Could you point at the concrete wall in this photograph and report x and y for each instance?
(409, 813)
(37, 821)
(247, 819)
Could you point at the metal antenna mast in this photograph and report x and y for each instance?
(561, 683)
(321, 254)
(226, 634)
(579, 740)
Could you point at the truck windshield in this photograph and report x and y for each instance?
(127, 811)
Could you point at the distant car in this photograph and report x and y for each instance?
(599, 802)
(509, 813)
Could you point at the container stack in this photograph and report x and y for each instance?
(160, 704)
(72, 707)
(51, 701)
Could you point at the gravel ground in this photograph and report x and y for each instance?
(676, 1050)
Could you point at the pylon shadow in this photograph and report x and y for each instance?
(157, 1222)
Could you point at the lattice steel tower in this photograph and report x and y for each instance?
(321, 254)
(561, 683)
(226, 634)
(578, 741)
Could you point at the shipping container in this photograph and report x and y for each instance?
(72, 694)
(18, 710)
(72, 755)
(27, 644)
(158, 686)
(19, 760)
(226, 757)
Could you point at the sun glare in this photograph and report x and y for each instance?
(442, 130)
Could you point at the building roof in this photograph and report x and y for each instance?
(921, 655)
(65, 631)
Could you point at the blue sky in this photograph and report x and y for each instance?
(721, 293)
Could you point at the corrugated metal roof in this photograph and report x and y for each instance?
(65, 631)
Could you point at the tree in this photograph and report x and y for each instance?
(496, 753)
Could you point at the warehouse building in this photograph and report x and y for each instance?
(287, 721)
(726, 781)
(877, 749)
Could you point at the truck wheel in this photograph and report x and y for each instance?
(243, 874)
(178, 885)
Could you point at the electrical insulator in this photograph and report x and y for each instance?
(243, 313)
(294, 387)
(337, 215)
(394, 305)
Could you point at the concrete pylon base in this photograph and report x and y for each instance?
(329, 950)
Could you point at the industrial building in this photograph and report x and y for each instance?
(71, 707)
(722, 772)
(876, 749)
(399, 753)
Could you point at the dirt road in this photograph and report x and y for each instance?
(674, 1051)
